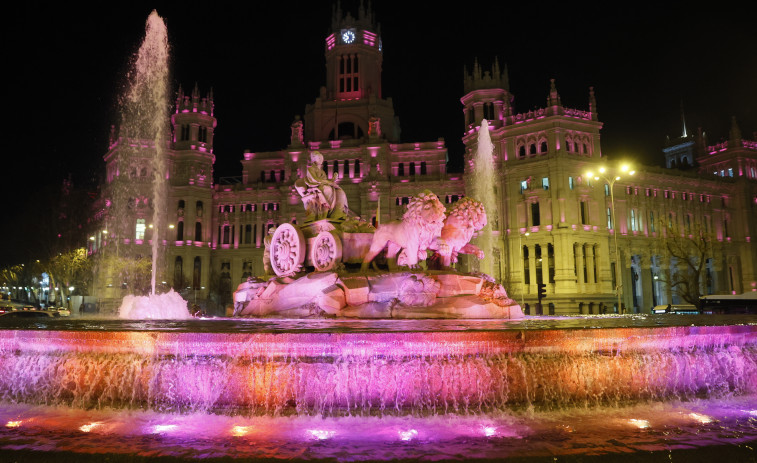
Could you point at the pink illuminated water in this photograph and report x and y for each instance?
(167, 306)
(356, 395)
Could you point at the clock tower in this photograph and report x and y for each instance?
(352, 96)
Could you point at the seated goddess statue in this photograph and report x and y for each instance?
(321, 196)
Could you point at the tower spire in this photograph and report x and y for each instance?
(592, 104)
(683, 122)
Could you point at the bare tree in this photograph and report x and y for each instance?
(688, 249)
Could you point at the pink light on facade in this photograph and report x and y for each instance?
(369, 38)
(330, 42)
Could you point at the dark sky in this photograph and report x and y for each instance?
(265, 63)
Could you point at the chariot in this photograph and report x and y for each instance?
(322, 245)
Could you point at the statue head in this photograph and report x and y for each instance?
(316, 157)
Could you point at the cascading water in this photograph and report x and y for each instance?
(311, 394)
(483, 190)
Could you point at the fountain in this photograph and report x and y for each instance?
(483, 187)
(145, 116)
(392, 366)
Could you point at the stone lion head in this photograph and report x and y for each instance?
(470, 212)
(426, 210)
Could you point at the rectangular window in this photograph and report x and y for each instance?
(523, 186)
(730, 172)
(651, 221)
(609, 218)
(633, 220)
(545, 183)
(584, 213)
(570, 183)
(140, 229)
(535, 219)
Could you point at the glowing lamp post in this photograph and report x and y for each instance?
(610, 178)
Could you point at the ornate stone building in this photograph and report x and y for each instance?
(217, 231)
(596, 244)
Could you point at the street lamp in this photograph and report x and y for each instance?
(603, 173)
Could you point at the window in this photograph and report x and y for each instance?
(423, 167)
(535, 219)
(633, 220)
(523, 185)
(198, 231)
(401, 170)
(607, 190)
(248, 234)
(545, 183)
(140, 229)
(412, 168)
(584, 206)
(651, 221)
(180, 231)
(730, 172)
(543, 147)
(348, 74)
(571, 185)
(609, 218)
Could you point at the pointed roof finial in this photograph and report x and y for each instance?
(683, 122)
(735, 132)
(554, 97)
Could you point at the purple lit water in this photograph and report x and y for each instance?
(382, 390)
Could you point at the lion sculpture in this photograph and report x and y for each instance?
(419, 227)
(465, 218)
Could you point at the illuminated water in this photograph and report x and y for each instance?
(640, 386)
(483, 188)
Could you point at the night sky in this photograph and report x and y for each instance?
(66, 67)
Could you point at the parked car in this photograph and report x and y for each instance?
(62, 311)
(29, 314)
(28, 307)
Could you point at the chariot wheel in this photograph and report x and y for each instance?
(325, 251)
(287, 249)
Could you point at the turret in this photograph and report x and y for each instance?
(193, 121)
(487, 96)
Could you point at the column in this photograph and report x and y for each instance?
(579, 253)
(647, 301)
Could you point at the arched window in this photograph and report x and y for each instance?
(532, 148)
(543, 147)
(522, 151)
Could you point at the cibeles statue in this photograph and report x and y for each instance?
(321, 196)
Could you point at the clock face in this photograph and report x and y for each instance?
(348, 36)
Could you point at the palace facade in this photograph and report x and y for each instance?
(594, 243)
